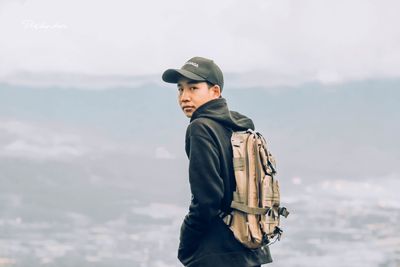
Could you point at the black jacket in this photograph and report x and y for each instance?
(205, 240)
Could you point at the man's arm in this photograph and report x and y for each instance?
(207, 189)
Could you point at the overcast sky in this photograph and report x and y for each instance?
(281, 42)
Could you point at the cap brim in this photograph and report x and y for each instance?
(173, 75)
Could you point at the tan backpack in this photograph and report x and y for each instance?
(256, 210)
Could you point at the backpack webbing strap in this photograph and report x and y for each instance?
(249, 210)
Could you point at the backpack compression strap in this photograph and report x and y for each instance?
(249, 210)
(255, 210)
(238, 205)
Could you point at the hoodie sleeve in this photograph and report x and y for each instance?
(206, 186)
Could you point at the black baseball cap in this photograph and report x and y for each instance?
(198, 69)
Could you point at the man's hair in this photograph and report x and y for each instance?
(209, 84)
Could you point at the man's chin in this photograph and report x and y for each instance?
(188, 114)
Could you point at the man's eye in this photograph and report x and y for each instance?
(193, 88)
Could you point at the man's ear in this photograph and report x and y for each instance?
(216, 91)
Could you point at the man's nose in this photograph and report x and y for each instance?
(185, 96)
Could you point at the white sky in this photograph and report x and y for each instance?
(281, 42)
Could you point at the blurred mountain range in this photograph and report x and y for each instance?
(94, 177)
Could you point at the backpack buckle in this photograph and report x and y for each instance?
(226, 218)
(283, 211)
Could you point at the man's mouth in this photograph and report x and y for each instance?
(187, 107)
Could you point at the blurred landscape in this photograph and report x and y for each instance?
(98, 177)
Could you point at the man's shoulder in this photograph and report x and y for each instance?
(201, 122)
(202, 126)
(204, 123)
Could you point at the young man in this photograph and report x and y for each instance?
(205, 240)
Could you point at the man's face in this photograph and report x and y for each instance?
(193, 94)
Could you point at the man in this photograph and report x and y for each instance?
(205, 240)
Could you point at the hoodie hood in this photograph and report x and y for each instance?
(217, 109)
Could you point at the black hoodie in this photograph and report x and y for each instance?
(205, 240)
